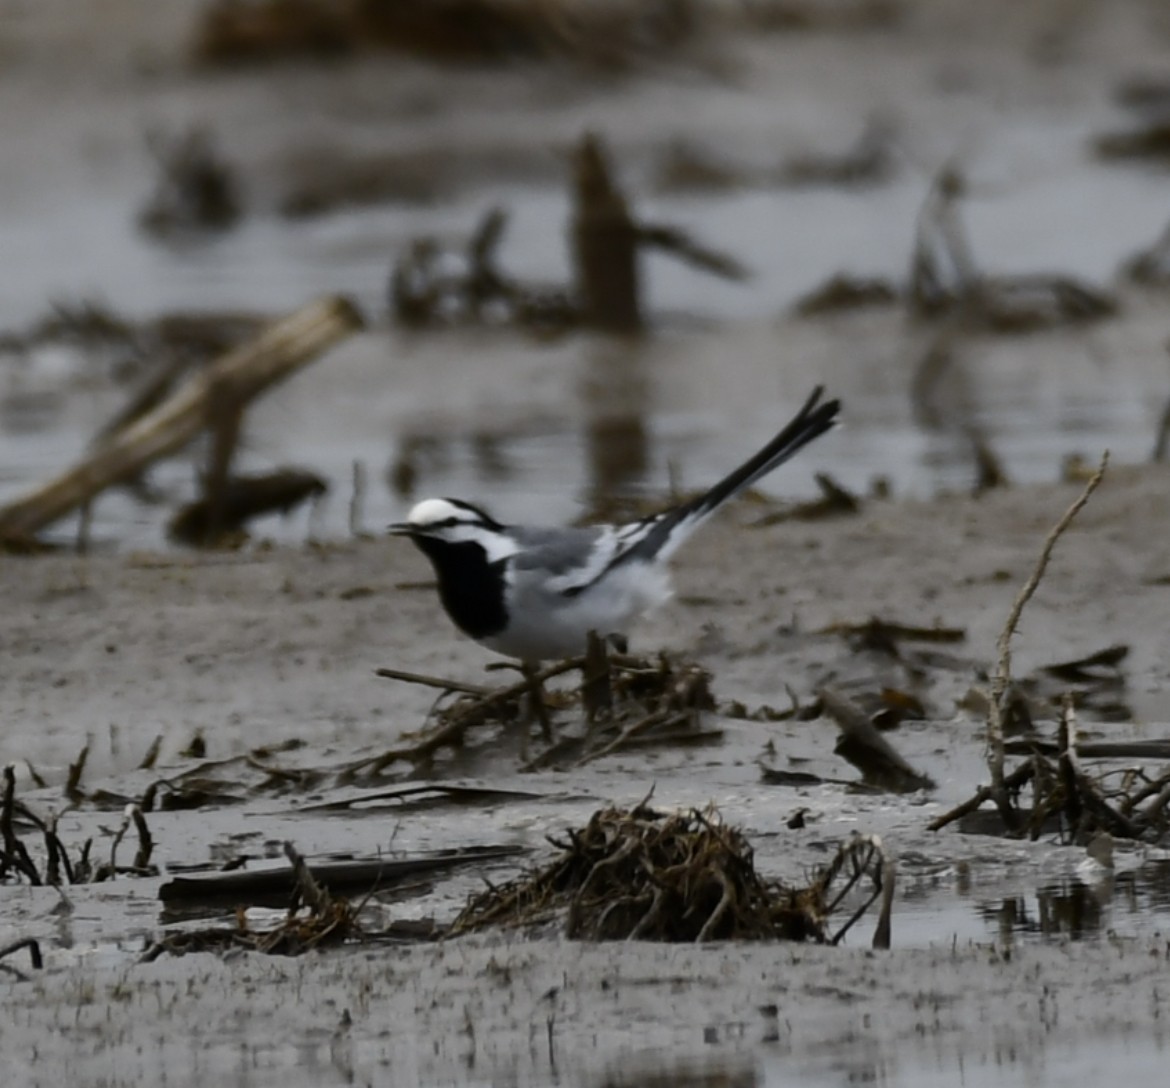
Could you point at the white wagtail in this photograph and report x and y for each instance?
(535, 593)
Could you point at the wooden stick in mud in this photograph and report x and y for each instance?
(880, 763)
(241, 374)
(605, 238)
(604, 243)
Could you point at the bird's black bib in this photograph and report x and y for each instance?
(471, 588)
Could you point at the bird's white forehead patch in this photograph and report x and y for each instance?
(442, 519)
(433, 511)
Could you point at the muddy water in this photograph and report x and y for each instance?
(540, 430)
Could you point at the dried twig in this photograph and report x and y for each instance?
(308, 891)
(1003, 671)
(15, 854)
(1011, 782)
(132, 816)
(34, 955)
(73, 780)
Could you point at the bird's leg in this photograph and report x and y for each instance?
(536, 707)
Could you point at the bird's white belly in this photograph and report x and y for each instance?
(544, 625)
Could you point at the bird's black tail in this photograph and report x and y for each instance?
(669, 530)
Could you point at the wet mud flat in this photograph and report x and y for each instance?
(266, 660)
(233, 699)
(477, 1012)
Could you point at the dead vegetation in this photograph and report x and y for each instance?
(610, 34)
(844, 291)
(59, 865)
(944, 278)
(641, 874)
(630, 874)
(434, 283)
(163, 420)
(149, 356)
(595, 34)
(438, 284)
(326, 921)
(945, 283)
(221, 516)
(870, 161)
(684, 166)
(36, 961)
(862, 745)
(1150, 267)
(622, 702)
(1066, 799)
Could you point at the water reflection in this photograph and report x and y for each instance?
(1128, 902)
(1073, 910)
(614, 390)
(728, 1072)
(1031, 1059)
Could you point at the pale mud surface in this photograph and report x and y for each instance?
(985, 983)
(269, 647)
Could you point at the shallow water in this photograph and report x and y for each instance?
(1026, 1063)
(528, 428)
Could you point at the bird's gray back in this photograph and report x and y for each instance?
(557, 551)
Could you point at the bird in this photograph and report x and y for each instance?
(534, 593)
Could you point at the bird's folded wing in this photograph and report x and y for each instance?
(564, 558)
(609, 545)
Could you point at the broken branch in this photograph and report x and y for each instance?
(245, 371)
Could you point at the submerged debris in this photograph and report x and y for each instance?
(452, 31)
(844, 291)
(196, 189)
(353, 876)
(642, 874)
(869, 161)
(861, 744)
(1149, 140)
(212, 520)
(433, 283)
(944, 278)
(328, 921)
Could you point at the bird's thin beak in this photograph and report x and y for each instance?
(400, 528)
